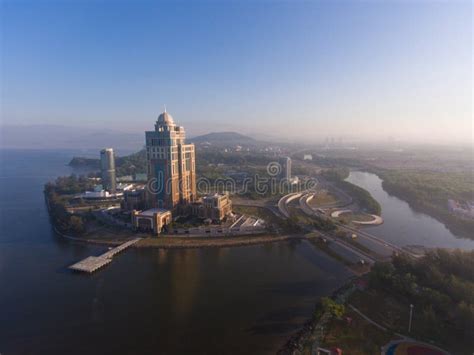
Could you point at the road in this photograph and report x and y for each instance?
(285, 201)
(377, 245)
(359, 253)
(281, 210)
(384, 246)
(303, 198)
(312, 212)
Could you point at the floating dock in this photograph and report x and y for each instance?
(94, 263)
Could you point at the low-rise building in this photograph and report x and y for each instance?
(134, 199)
(152, 220)
(462, 209)
(215, 207)
(98, 195)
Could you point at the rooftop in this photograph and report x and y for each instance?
(214, 195)
(150, 212)
(165, 119)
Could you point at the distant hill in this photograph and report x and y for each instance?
(85, 163)
(125, 165)
(220, 138)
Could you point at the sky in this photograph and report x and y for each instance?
(299, 69)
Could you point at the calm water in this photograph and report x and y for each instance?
(402, 225)
(217, 301)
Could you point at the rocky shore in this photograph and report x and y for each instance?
(310, 333)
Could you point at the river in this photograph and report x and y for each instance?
(214, 301)
(402, 225)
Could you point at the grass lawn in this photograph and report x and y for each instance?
(300, 215)
(349, 217)
(393, 312)
(382, 308)
(198, 242)
(362, 217)
(322, 198)
(359, 337)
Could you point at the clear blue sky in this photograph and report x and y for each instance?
(312, 68)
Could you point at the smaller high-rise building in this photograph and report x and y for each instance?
(217, 206)
(107, 169)
(285, 163)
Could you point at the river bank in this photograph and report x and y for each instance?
(426, 192)
(461, 227)
(404, 225)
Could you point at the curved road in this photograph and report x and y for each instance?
(391, 247)
(285, 200)
(304, 197)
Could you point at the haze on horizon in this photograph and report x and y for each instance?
(298, 70)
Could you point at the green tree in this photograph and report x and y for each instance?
(76, 224)
(331, 306)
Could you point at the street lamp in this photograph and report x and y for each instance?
(411, 316)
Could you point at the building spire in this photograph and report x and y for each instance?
(165, 107)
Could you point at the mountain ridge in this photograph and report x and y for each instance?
(227, 137)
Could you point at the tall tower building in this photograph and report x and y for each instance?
(285, 163)
(171, 165)
(107, 169)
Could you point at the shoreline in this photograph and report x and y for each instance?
(189, 242)
(168, 243)
(196, 243)
(300, 339)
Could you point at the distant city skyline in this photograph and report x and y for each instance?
(366, 70)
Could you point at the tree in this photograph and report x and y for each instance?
(381, 274)
(331, 306)
(76, 224)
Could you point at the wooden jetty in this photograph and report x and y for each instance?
(93, 263)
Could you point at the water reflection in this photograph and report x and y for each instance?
(184, 278)
(147, 301)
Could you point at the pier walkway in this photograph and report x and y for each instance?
(93, 263)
